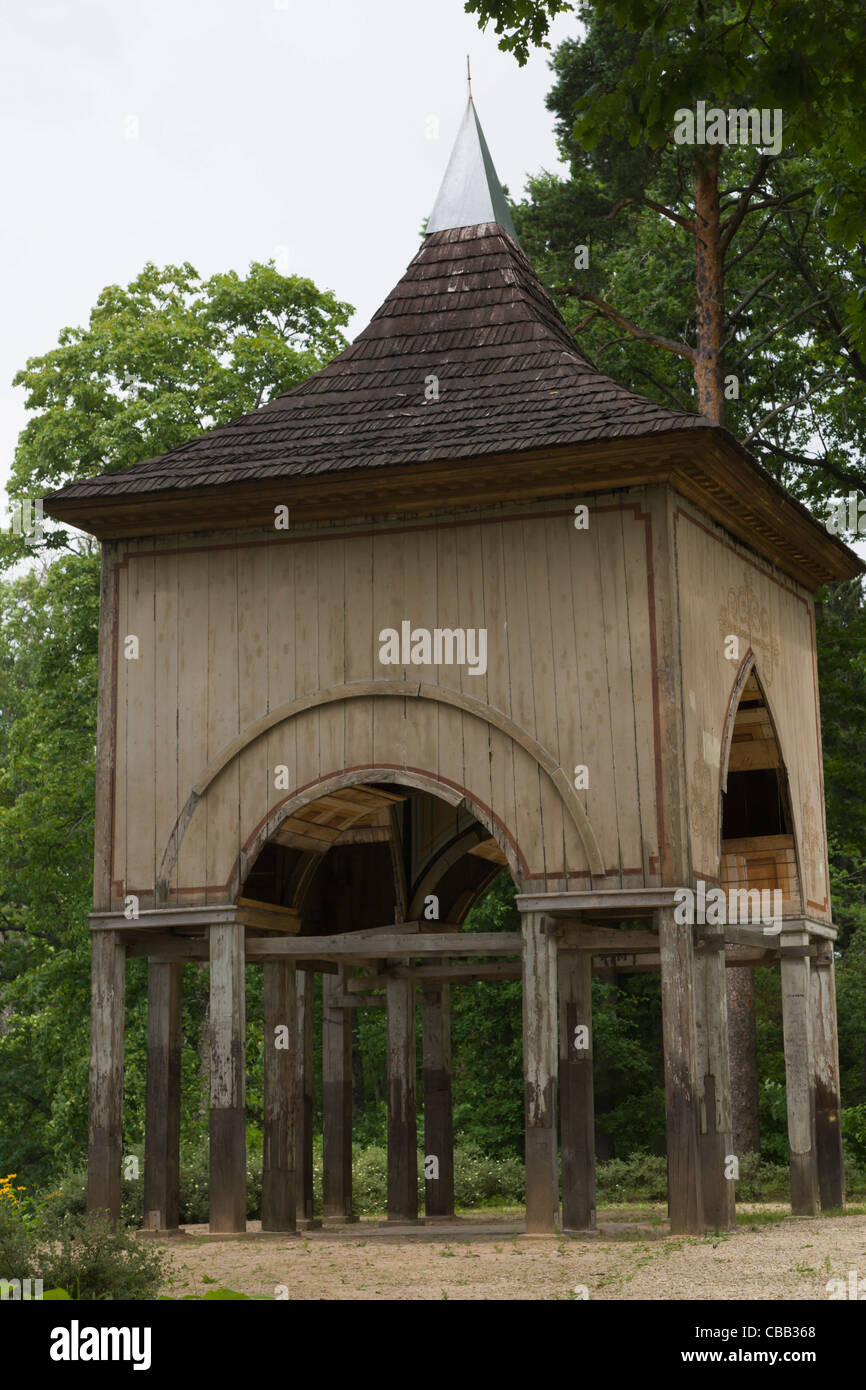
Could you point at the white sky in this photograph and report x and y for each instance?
(261, 124)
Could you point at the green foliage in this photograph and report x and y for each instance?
(162, 360)
(642, 1177)
(795, 274)
(854, 1132)
(81, 1255)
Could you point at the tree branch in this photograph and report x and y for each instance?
(729, 228)
(657, 207)
(679, 349)
(778, 329)
(790, 405)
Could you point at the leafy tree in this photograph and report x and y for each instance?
(784, 234)
(162, 360)
(167, 357)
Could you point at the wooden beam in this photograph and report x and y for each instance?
(438, 1113)
(828, 1117)
(752, 754)
(280, 1046)
(402, 1117)
(622, 900)
(162, 1103)
(682, 1087)
(574, 936)
(336, 1103)
(228, 1175)
(107, 1003)
(267, 916)
(358, 1001)
(716, 1124)
(576, 1095)
(434, 972)
(539, 1074)
(398, 943)
(305, 985)
(799, 1075)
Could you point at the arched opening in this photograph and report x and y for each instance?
(758, 847)
(375, 857)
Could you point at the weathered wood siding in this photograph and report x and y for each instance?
(262, 649)
(726, 590)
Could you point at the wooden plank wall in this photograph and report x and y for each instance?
(724, 590)
(236, 627)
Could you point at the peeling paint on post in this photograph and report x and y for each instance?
(279, 1175)
(228, 1176)
(162, 1108)
(576, 1095)
(107, 1003)
(539, 1073)
(682, 1090)
(438, 1114)
(336, 1101)
(799, 1072)
(828, 1118)
(305, 987)
(402, 1119)
(716, 1140)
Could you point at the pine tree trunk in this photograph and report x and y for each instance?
(710, 288)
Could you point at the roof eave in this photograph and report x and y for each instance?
(733, 489)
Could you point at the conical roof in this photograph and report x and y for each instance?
(471, 192)
(467, 356)
(466, 366)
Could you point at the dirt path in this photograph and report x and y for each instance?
(486, 1258)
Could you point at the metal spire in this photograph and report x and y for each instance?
(470, 192)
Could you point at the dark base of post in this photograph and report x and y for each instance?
(228, 1170)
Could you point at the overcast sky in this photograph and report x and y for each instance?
(223, 131)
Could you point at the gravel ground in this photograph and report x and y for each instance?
(487, 1257)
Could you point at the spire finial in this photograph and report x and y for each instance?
(469, 76)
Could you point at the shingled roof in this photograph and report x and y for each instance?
(466, 376)
(471, 313)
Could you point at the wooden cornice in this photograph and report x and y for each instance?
(707, 466)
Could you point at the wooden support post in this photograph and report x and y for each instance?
(228, 1148)
(280, 1041)
(539, 1073)
(799, 1071)
(716, 1141)
(162, 1106)
(336, 1101)
(402, 1121)
(107, 1001)
(306, 985)
(438, 1114)
(576, 1098)
(828, 1119)
(682, 1088)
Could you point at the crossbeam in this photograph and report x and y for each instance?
(353, 945)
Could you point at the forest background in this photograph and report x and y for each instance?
(171, 355)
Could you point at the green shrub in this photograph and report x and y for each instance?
(369, 1179)
(641, 1178)
(80, 1254)
(854, 1132)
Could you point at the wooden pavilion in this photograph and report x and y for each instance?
(457, 602)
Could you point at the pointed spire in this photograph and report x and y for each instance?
(471, 192)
